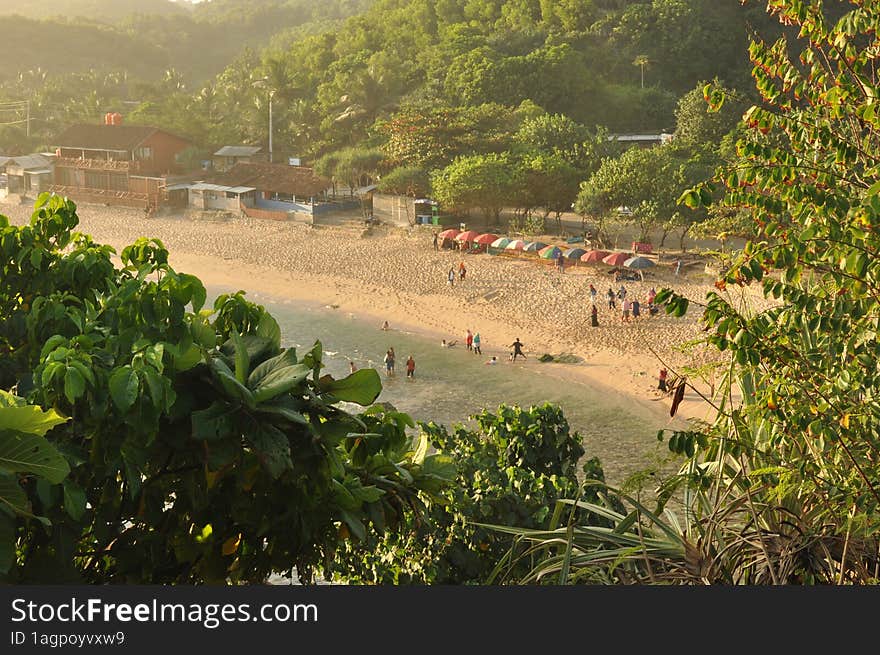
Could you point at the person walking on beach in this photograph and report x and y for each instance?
(594, 317)
(450, 278)
(477, 350)
(627, 305)
(662, 380)
(636, 308)
(651, 295)
(593, 294)
(461, 271)
(621, 293)
(517, 350)
(469, 340)
(560, 263)
(436, 241)
(389, 363)
(612, 304)
(411, 367)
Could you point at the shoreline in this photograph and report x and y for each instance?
(396, 276)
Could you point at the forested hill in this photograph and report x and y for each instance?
(620, 64)
(107, 11)
(144, 38)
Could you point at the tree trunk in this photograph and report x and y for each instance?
(684, 233)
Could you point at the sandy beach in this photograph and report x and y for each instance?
(395, 275)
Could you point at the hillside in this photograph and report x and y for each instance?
(144, 38)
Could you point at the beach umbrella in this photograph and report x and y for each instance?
(500, 242)
(574, 253)
(516, 244)
(468, 236)
(616, 258)
(534, 246)
(486, 239)
(448, 234)
(639, 263)
(594, 256)
(550, 252)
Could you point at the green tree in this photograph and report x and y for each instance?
(406, 181)
(199, 449)
(484, 181)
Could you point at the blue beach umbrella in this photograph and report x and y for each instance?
(574, 253)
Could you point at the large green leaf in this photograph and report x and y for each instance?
(31, 453)
(74, 500)
(286, 358)
(74, 384)
(241, 358)
(29, 419)
(272, 448)
(212, 423)
(361, 387)
(281, 381)
(124, 387)
(12, 496)
(269, 329)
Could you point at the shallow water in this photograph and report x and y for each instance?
(451, 383)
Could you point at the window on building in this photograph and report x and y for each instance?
(144, 152)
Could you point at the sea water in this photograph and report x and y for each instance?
(452, 384)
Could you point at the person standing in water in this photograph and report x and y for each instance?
(411, 367)
(352, 367)
(517, 349)
(477, 350)
(389, 363)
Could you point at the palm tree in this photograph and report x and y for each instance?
(641, 61)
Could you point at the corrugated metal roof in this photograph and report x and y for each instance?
(280, 178)
(237, 151)
(204, 186)
(27, 162)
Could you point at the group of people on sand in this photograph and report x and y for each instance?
(450, 275)
(474, 344)
(630, 308)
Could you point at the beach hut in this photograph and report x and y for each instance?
(574, 253)
(534, 246)
(550, 252)
(594, 256)
(516, 244)
(616, 258)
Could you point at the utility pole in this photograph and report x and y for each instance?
(271, 93)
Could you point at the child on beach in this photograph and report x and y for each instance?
(593, 293)
(450, 278)
(410, 367)
(448, 345)
(662, 380)
(461, 270)
(469, 340)
(612, 304)
(477, 350)
(494, 360)
(627, 305)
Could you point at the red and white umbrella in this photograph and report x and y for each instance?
(468, 236)
(517, 244)
(486, 239)
(451, 233)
